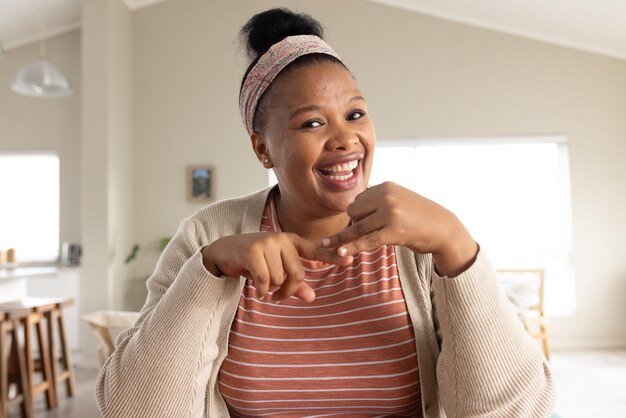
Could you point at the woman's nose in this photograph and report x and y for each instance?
(342, 139)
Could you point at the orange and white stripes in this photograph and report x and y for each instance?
(349, 353)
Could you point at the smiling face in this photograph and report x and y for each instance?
(318, 137)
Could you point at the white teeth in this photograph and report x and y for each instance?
(338, 168)
(346, 177)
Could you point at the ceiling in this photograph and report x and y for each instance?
(597, 26)
(26, 21)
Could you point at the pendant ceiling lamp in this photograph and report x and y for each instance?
(41, 78)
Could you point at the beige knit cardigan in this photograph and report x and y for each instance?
(475, 359)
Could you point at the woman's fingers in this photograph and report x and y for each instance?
(311, 251)
(294, 278)
(278, 268)
(305, 292)
(366, 216)
(294, 284)
(258, 272)
(357, 231)
(368, 242)
(275, 268)
(364, 204)
(271, 260)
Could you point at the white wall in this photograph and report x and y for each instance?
(107, 152)
(422, 76)
(31, 124)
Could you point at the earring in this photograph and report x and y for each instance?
(266, 161)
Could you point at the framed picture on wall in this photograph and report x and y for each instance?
(200, 183)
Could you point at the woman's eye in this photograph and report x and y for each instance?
(357, 114)
(311, 124)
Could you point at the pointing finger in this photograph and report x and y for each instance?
(260, 275)
(295, 276)
(305, 293)
(310, 251)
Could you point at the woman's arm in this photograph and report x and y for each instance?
(488, 366)
(162, 365)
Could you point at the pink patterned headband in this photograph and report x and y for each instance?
(270, 65)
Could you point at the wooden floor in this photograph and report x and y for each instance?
(589, 384)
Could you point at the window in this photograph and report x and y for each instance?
(29, 212)
(511, 193)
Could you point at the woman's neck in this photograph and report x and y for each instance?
(310, 226)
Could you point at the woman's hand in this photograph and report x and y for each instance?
(270, 259)
(388, 214)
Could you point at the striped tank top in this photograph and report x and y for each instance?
(349, 353)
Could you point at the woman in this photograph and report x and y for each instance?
(321, 297)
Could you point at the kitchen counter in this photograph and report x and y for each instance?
(17, 283)
(26, 272)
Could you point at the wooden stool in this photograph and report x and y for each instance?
(52, 311)
(39, 308)
(67, 372)
(12, 362)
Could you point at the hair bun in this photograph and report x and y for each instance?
(271, 26)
